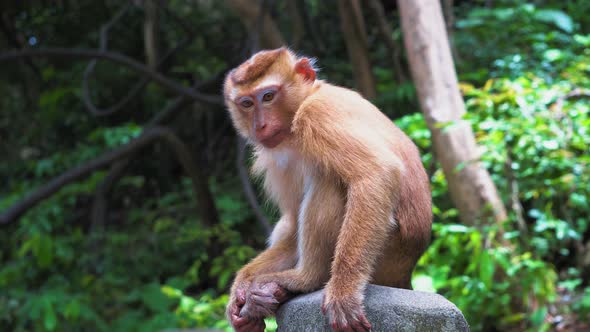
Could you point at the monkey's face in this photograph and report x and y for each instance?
(265, 111)
(264, 93)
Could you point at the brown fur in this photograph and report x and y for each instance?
(351, 187)
(259, 65)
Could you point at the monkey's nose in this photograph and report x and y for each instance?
(260, 126)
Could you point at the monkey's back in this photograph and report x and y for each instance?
(365, 123)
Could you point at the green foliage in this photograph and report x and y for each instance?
(512, 39)
(57, 280)
(95, 288)
(534, 142)
(486, 282)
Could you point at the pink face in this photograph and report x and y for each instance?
(269, 125)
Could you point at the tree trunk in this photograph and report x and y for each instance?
(386, 31)
(355, 35)
(151, 33)
(249, 12)
(433, 71)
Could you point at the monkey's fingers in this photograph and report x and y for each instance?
(341, 328)
(355, 326)
(264, 300)
(254, 326)
(346, 316)
(240, 297)
(361, 324)
(364, 322)
(259, 306)
(259, 327)
(251, 326)
(269, 303)
(244, 324)
(272, 289)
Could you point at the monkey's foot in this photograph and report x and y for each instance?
(263, 299)
(345, 315)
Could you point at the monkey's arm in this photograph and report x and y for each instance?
(371, 172)
(367, 225)
(281, 254)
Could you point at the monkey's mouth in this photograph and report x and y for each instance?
(274, 140)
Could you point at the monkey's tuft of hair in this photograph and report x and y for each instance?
(256, 66)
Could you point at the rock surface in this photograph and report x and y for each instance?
(388, 309)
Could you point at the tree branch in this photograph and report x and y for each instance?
(103, 41)
(117, 170)
(576, 93)
(352, 26)
(133, 92)
(515, 198)
(138, 87)
(117, 58)
(149, 136)
(99, 204)
(9, 32)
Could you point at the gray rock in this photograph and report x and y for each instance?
(388, 309)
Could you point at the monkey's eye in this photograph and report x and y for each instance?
(268, 96)
(246, 103)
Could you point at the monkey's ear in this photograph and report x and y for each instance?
(305, 67)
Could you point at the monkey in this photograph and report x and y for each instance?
(353, 194)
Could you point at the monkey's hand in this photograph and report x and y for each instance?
(263, 299)
(236, 303)
(344, 312)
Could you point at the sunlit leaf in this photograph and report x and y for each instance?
(557, 17)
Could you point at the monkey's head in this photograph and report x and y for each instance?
(264, 93)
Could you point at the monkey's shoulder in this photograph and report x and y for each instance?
(332, 99)
(330, 104)
(339, 111)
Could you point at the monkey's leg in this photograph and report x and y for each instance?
(366, 228)
(281, 255)
(321, 213)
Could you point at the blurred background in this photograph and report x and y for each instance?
(125, 202)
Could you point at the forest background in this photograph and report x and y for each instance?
(125, 202)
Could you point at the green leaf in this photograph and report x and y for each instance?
(72, 310)
(538, 316)
(486, 269)
(224, 278)
(49, 318)
(553, 55)
(423, 283)
(42, 247)
(155, 299)
(582, 40)
(455, 228)
(557, 17)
